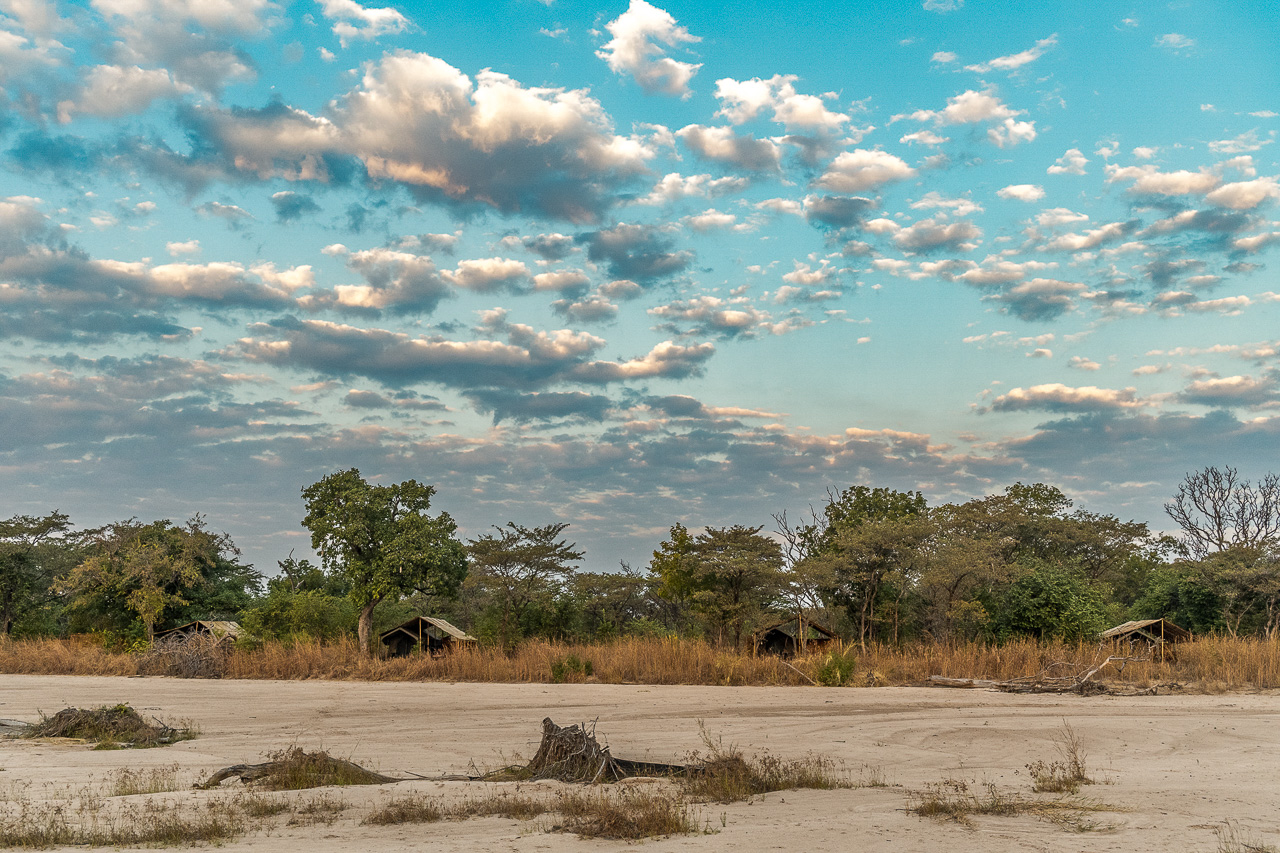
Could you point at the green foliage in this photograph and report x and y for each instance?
(154, 573)
(33, 552)
(570, 668)
(520, 571)
(836, 669)
(729, 575)
(1051, 601)
(381, 541)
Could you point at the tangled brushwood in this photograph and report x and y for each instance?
(113, 725)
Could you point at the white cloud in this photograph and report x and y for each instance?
(189, 247)
(710, 220)
(359, 22)
(1090, 239)
(924, 137)
(1060, 216)
(1070, 163)
(743, 100)
(1022, 192)
(942, 57)
(862, 169)
(942, 5)
(1056, 397)
(723, 145)
(1011, 132)
(1079, 362)
(1149, 179)
(1245, 195)
(957, 206)
(111, 91)
(1247, 141)
(1014, 61)
(674, 186)
(487, 274)
(632, 50)
(937, 233)
(1175, 42)
(969, 107)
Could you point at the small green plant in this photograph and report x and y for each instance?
(322, 809)
(1233, 838)
(570, 668)
(836, 669)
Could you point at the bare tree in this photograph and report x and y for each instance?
(1218, 510)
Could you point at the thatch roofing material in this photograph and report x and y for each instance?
(211, 627)
(1156, 630)
(422, 625)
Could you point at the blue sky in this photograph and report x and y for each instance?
(627, 264)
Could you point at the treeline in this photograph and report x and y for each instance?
(872, 564)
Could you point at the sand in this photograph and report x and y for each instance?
(1177, 766)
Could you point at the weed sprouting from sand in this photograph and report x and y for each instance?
(422, 808)
(110, 726)
(126, 781)
(1233, 838)
(725, 775)
(320, 809)
(954, 799)
(152, 823)
(1066, 774)
(594, 813)
(626, 814)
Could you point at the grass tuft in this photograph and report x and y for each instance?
(625, 814)
(725, 775)
(296, 770)
(126, 782)
(1066, 774)
(953, 799)
(1233, 838)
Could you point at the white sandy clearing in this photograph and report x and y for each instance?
(1178, 765)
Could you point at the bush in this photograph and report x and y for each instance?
(837, 669)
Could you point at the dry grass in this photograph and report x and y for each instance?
(954, 799)
(152, 823)
(1067, 773)
(725, 775)
(1233, 838)
(295, 769)
(1210, 664)
(421, 808)
(627, 814)
(126, 782)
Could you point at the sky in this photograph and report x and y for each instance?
(624, 265)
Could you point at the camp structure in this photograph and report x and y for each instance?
(783, 638)
(425, 632)
(1154, 635)
(201, 628)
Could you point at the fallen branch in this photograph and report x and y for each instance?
(1078, 679)
(294, 769)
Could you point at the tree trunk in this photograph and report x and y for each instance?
(364, 628)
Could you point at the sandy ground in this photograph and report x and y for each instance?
(1177, 766)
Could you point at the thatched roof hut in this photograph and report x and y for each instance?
(428, 633)
(216, 629)
(784, 638)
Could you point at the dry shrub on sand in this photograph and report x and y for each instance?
(109, 725)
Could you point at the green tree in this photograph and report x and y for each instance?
(519, 566)
(873, 540)
(302, 602)
(149, 571)
(1052, 601)
(729, 575)
(33, 552)
(381, 541)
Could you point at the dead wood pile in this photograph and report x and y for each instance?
(572, 754)
(1057, 677)
(107, 724)
(295, 769)
(193, 656)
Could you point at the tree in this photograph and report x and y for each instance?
(518, 565)
(1217, 510)
(1052, 601)
(873, 538)
(727, 574)
(33, 550)
(148, 570)
(302, 602)
(381, 541)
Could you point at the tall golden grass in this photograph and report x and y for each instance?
(1210, 664)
